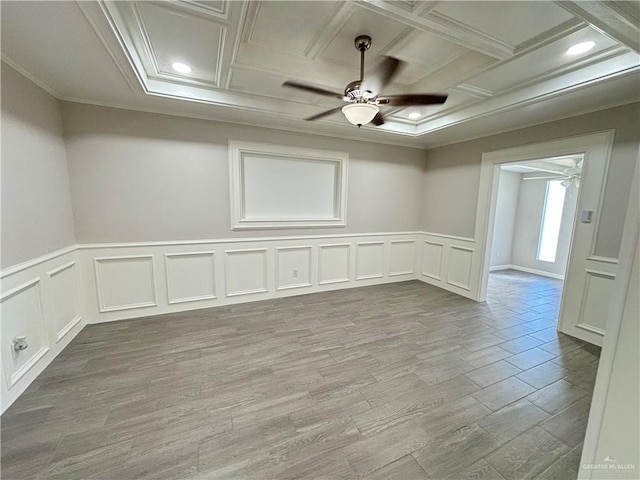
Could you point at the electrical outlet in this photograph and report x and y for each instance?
(294, 273)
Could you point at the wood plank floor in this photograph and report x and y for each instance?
(399, 381)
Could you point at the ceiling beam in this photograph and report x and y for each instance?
(618, 20)
(443, 28)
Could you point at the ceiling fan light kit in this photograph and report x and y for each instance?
(363, 95)
(360, 113)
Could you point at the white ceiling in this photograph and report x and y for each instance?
(503, 64)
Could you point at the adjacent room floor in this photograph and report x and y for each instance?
(399, 381)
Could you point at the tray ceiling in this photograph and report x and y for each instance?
(490, 57)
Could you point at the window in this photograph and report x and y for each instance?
(551, 220)
(274, 186)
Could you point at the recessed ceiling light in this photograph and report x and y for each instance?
(181, 67)
(414, 115)
(579, 48)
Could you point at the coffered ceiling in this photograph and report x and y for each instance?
(503, 64)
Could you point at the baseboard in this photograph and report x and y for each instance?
(497, 268)
(533, 271)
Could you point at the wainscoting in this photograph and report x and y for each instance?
(42, 301)
(136, 280)
(49, 300)
(450, 262)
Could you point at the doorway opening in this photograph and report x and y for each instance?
(532, 233)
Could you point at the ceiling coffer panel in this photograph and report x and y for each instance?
(384, 32)
(511, 22)
(288, 27)
(164, 35)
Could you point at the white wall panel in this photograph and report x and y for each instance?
(459, 267)
(125, 282)
(190, 276)
(432, 254)
(22, 315)
(595, 301)
(369, 260)
(293, 267)
(64, 299)
(334, 261)
(246, 271)
(402, 257)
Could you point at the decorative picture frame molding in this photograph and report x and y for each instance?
(242, 220)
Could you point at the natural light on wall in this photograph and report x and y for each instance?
(551, 220)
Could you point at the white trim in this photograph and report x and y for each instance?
(619, 298)
(167, 271)
(67, 328)
(338, 280)
(413, 251)
(265, 289)
(309, 248)
(239, 221)
(375, 275)
(98, 277)
(10, 293)
(533, 271)
(75, 320)
(450, 237)
(88, 246)
(37, 261)
(590, 328)
(29, 364)
(487, 191)
(597, 258)
(429, 275)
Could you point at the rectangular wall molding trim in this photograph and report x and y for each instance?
(190, 276)
(125, 282)
(41, 300)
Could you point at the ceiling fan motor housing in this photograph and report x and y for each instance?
(363, 42)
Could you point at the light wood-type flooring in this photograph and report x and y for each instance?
(398, 381)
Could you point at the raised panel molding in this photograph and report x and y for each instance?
(22, 315)
(459, 267)
(293, 267)
(64, 298)
(333, 263)
(246, 271)
(190, 277)
(125, 282)
(401, 257)
(285, 158)
(596, 296)
(432, 254)
(369, 260)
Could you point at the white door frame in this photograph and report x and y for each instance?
(594, 147)
(606, 367)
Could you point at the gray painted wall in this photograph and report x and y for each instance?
(526, 233)
(36, 204)
(505, 222)
(145, 177)
(452, 174)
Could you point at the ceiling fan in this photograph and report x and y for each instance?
(363, 95)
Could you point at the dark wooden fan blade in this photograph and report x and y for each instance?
(412, 99)
(323, 114)
(378, 119)
(381, 75)
(312, 89)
